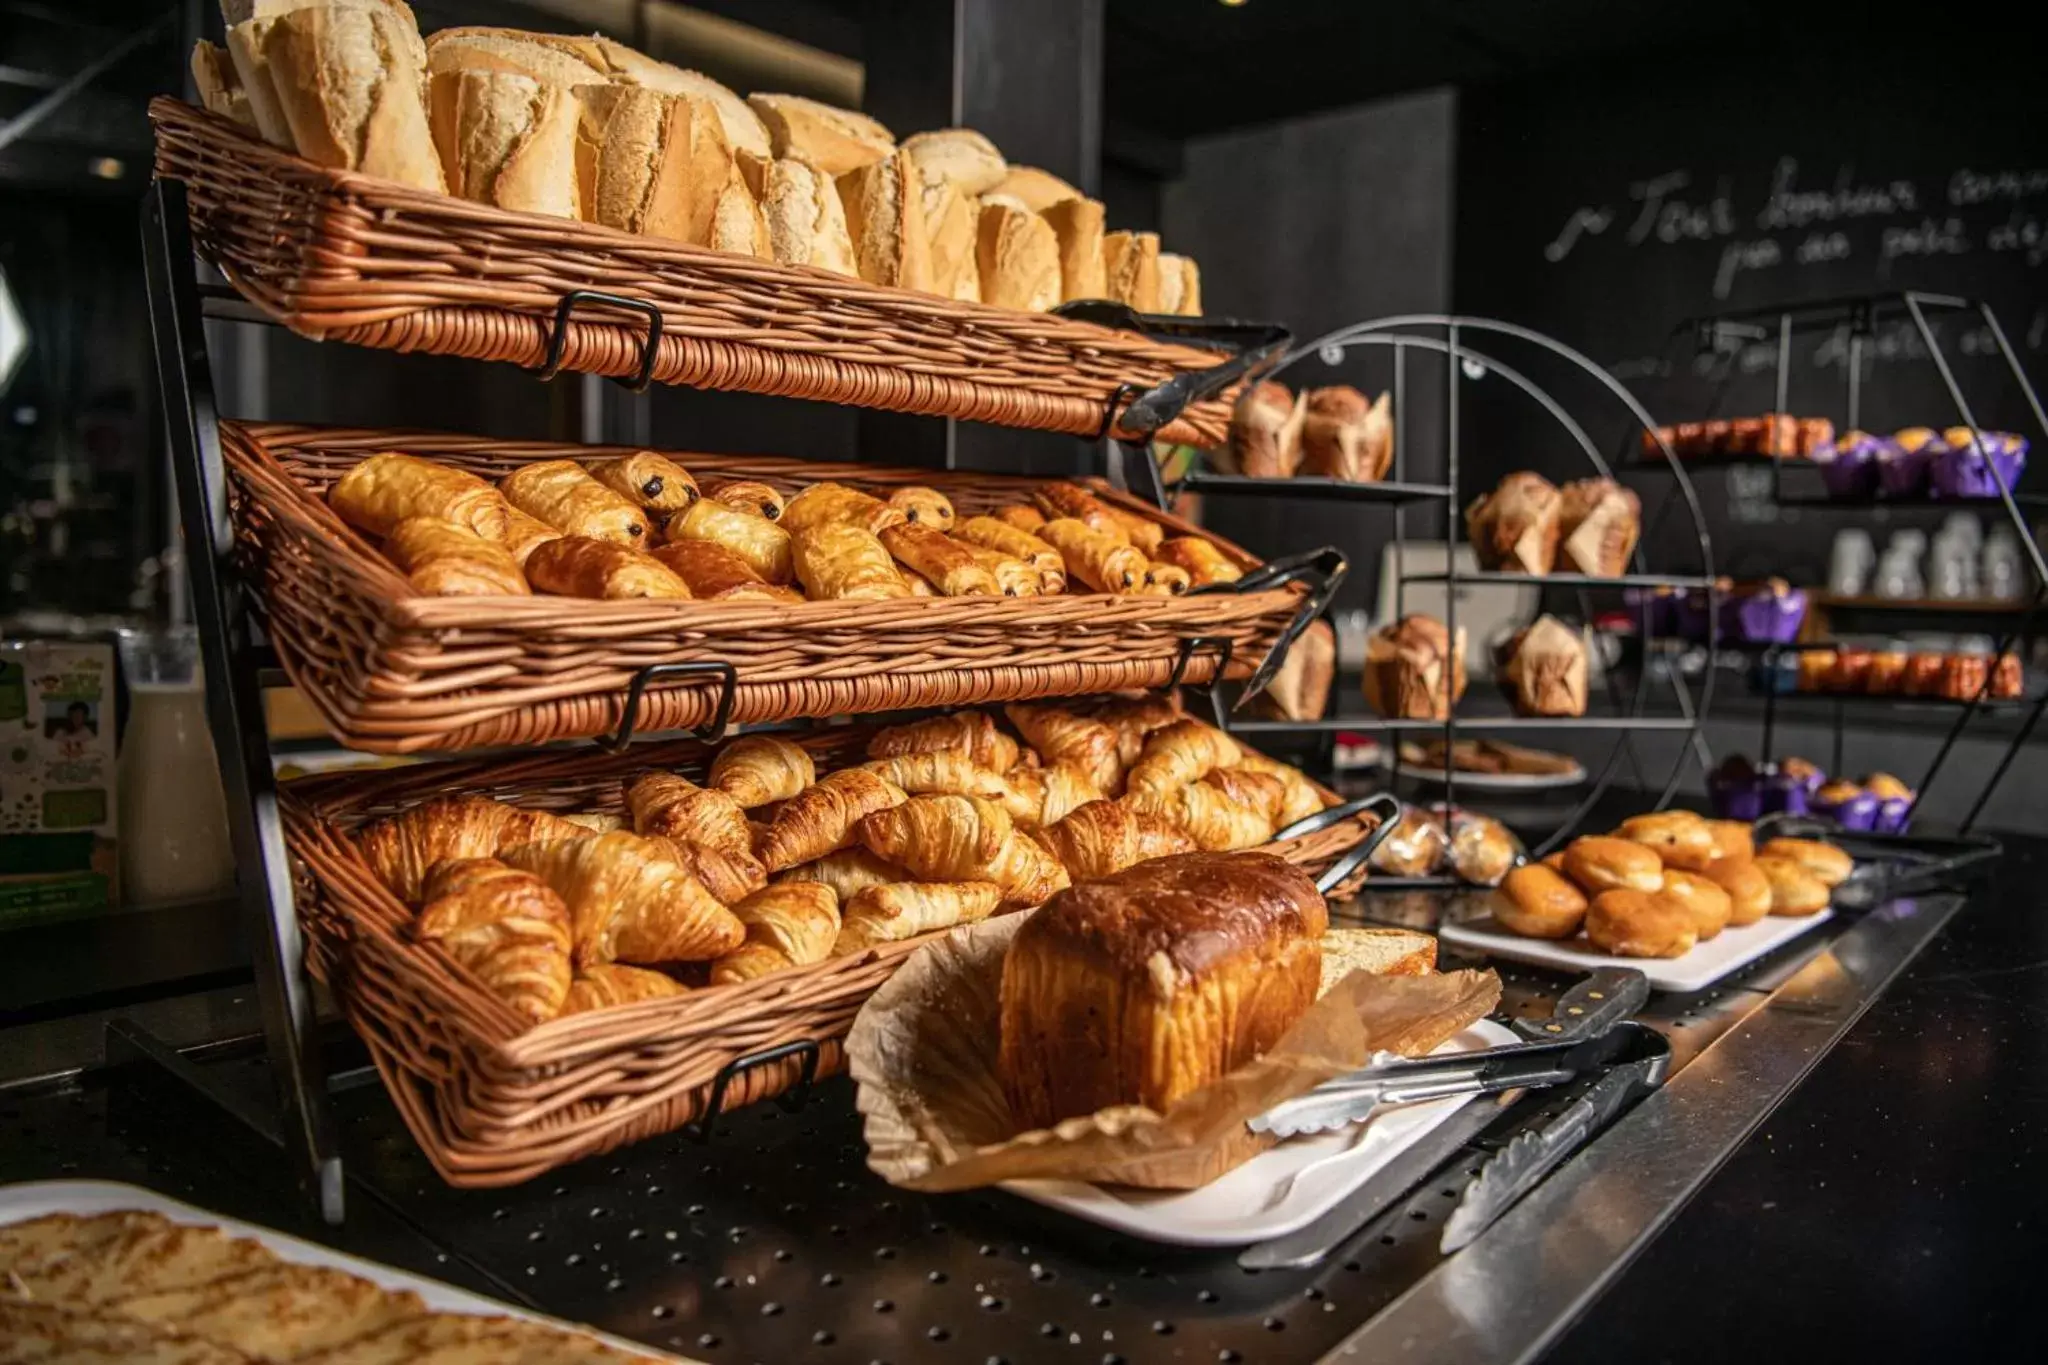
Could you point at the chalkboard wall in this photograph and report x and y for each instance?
(1606, 206)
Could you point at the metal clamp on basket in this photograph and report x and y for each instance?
(1385, 805)
(1325, 569)
(789, 1100)
(558, 335)
(1256, 347)
(721, 713)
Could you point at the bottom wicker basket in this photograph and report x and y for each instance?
(494, 1102)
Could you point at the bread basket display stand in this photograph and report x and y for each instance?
(488, 1103)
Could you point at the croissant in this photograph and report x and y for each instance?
(523, 533)
(1066, 500)
(890, 914)
(919, 585)
(561, 494)
(963, 839)
(610, 983)
(729, 877)
(1147, 536)
(763, 544)
(949, 565)
(673, 807)
(790, 924)
(1062, 736)
(442, 559)
(380, 492)
(1261, 792)
(1301, 800)
(1021, 516)
(747, 495)
(401, 849)
(1231, 809)
(1166, 580)
(1006, 539)
(1103, 838)
(577, 566)
(823, 504)
(846, 871)
(1102, 562)
(949, 770)
(1204, 562)
(506, 927)
(1178, 754)
(837, 561)
(629, 900)
(654, 483)
(972, 733)
(596, 821)
(761, 768)
(923, 506)
(715, 573)
(822, 817)
(1135, 718)
(1014, 578)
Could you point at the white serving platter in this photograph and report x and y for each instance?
(1274, 1193)
(1727, 951)
(1489, 782)
(86, 1198)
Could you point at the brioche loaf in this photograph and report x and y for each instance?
(1018, 259)
(507, 139)
(885, 215)
(834, 141)
(959, 157)
(348, 86)
(1077, 224)
(1130, 266)
(806, 220)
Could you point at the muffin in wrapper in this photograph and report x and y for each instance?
(1768, 614)
(1786, 792)
(1736, 790)
(1894, 802)
(1804, 771)
(1961, 469)
(1849, 464)
(1542, 668)
(1847, 804)
(1903, 462)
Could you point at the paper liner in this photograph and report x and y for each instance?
(923, 1054)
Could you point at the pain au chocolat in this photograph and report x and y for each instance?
(1143, 987)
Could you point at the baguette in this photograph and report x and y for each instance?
(737, 223)
(806, 221)
(1019, 259)
(641, 162)
(551, 59)
(950, 224)
(959, 157)
(220, 84)
(1036, 190)
(349, 89)
(1077, 223)
(743, 128)
(885, 215)
(246, 42)
(507, 140)
(1180, 285)
(831, 140)
(1130, 266)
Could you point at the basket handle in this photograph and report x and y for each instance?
(558, 335)
(1256, 347)
(1326, 569)
(721, 714)
(1383, 804)
(793, 1100)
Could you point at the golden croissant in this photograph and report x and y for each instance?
(1101, 561)
(1178, 754)
(838, 561)
(378, 493)
(923, 506)
(821, 817)
(578, 566)
(442, 559)
(402, 849)
(729, 877)
(972, 733)
(948, 770)
(747, 495)
(1105, 837)
(790, 924)
(612, 983)
(1134, 719)
(846, 871)
(763, 544)
(890, 914)
(562, 494)
(629, 900)
(506, 927)
(758, 769)
(1223, 819)
(676, 808)
(654, 483)
(963, 839)
(1064, 736)
(824, 504)
(1302, 799)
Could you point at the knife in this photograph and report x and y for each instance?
(1529, 1156)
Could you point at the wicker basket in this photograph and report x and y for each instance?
(393, 672)
(494, 1104)
(347, 257)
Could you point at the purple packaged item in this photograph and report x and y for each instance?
(1903, 462)
(1769, 614)
(1655, 610)
(1786, 792)
(1894, 802)
(1847, 804)
(1961, 471)
(1849, 464)
(1803, 771)
(1693, 611)
(1736, 791)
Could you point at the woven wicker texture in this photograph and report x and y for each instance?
(393, 672)
(492, 1103)
(347, 257)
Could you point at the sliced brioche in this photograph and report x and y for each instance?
(507, 140)
(806, 221)
(885, 216)
(1018, 258)
(1130, 267)
(1077, 224)
(1380, 952)
(950, 224)
(834, 141)
(960, 157)
(1035, 189)
(349, 89)
(1180, 285)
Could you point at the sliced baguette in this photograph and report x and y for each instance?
(219, 84)
(1077, 223)
(550, 58)
(1019, 259)
(1380, 952)
(1130, 266)
(348, 87)
(1180, 285)
(950, 222)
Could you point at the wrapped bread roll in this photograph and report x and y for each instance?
(806, 220)
(523, 533)
(1130, 267)
(1265, 432)
(602, 985)
(1036, 190)
(507, 140)
(654, 483)
(1415, 669)
(757, 769)
(1598, 523)
(821, 503)
(959, 157)
(1101, 561)
(562, 494)
(949, 565)
(1545, 669)
(885, 215)
(1018, 259)
(1515, 527)
(716, 574)
(832, 140)
(349, 84)
(747, 495)
(791, 924)
(442, 559)
(378, 493)
(841, 562)
(1345, 437)
(764, 545)
(1204, 563)
(1077, 229)
(1180, 285)
(903, 910)
(577, 566)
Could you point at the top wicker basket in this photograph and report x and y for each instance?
(348, 257)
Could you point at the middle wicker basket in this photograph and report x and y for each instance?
(394, 672)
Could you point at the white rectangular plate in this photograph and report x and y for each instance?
(85, 1198)
(1725, 952)
(1275, 1192)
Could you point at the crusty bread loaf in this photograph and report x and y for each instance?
(634, 166)
(737, 223)
(347, 84)
(550, 58)
(235, 12)
(806, 221)
(1035, 189)
(950, 220)
(219, 84)
(507, 140)
(1077, 224)
(1180, 285)
(832, 140)
(1130, 267)
(1019, 259)
(744, 130)
(961, 157)
(246, 42)
(885, 216)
